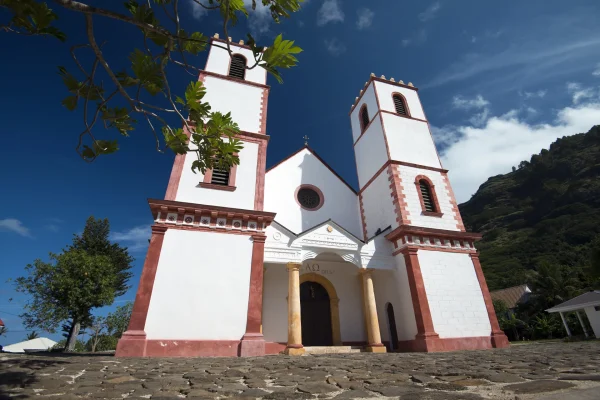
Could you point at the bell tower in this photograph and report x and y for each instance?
(403, 186)
(200, 292)
(230, 87)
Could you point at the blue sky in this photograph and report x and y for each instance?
(499, 80)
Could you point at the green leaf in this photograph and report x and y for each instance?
(69, 80)
(176, 140)
(280, 55)
(147, 72)
(70, 102)
(118, 118)
(195, 43)
(105, 146)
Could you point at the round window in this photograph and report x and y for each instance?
(309, 198)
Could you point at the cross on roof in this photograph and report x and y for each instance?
(306, 140)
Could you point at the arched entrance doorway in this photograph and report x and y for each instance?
(392, 326)
(315, 314)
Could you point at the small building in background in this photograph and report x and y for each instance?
(590, 303)
(30, 346)
(512, 296)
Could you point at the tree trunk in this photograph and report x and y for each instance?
(72, 339)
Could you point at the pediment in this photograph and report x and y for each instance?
(328, 235)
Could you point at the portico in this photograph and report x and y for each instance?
(322, 295)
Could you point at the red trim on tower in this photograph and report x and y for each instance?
(425, 330)
(459, 222)
(253, 342)
(363, 217)
(434, 198)
(132, 343)
(261, 164)
(398, 196)
(499, 339)
(263, 111)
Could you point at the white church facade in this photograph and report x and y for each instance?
(249, 262)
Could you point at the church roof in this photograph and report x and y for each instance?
(318, 158)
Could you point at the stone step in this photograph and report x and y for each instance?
(332, 349)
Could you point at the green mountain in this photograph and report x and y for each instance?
(546, 212)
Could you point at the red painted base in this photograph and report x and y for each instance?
(499, 340)
(452, 344)
(252, 345)
(274, 347)
(131, 344)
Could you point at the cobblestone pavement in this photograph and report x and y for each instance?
(569, 370)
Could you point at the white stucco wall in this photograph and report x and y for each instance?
(405, 314)
(410, 141)
(281, 182)
(243, 101)
(454, 295)
(369, 99)
(219, 60)
(201, 287)
(345, 279)
(391, 288)
(413, 203)
(594, 318)
(378, 206)
(245, 182)
(385, 92)
(370, 152)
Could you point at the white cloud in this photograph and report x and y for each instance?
(539, 94)
(259, 20)
(14, 225)
(330, 11)
(135, 239)
(418, 37)
(578, 92)
(476, 103)
(526, 62)
(334, 46)
(197, 10)
(596, 72)
(365, 18)
(474, 153)
(430, 12)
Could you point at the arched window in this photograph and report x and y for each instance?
(237, 69)
(400, 104)
(364, 117)
(427, 196)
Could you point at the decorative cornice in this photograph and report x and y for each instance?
(404, 230)
(237, 80)
(191, 216)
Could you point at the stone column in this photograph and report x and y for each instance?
(585, 332)
(294, 344)
(253, 342)
(374, 344)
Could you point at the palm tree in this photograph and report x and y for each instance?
(32, 335)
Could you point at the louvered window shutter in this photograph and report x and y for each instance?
(220, 177)
(399, 104)
(238, 67)
(364, 118)
(427, 196)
